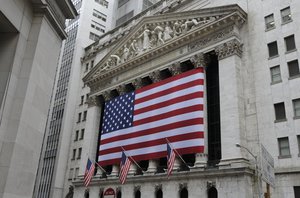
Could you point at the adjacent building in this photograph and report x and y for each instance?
(31, 34)
(93, 20)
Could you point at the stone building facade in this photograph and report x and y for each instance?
(249, 52)
(31, 34)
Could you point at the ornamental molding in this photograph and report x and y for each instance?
(155, 36)
(93, 101)
(232, 47)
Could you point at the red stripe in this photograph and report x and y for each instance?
(181, 137)
(189, 150)
(169, 114)
(160, 83)
(169, 102)
(169, 91)
(158, 129)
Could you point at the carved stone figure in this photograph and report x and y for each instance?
(189, 24)
(160, 33)
(70, 193)
(177, 28)
(168, 33)
(146, 38)
(133, 49)
(116, 60)
(153, 40)
(125, 53)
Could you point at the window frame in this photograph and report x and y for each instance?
(267, 26)
(289, 64)
(273, 75)
(278, 110)
(292, 43)
(296, 109)
(280, 147)
(270, 49)
(286, 18)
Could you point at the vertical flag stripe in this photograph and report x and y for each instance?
(140, 121)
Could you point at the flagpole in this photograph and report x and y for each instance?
(177, 153)
(133, 160)
(99, 166)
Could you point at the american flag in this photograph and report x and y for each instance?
(171, 158)
(141, 121)
(124, 167)
(89, 172)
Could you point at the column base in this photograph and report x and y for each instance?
(201, 161)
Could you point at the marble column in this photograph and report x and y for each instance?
(231, 103)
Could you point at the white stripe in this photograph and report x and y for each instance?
(167, 97)
(166, 109)
(155, 149)
(171, 84)
(165, 134)
(181, 117)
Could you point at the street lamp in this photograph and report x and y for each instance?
(256, 167)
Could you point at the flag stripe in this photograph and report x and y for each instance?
(145, 143)
(170, 102)
(174, 89)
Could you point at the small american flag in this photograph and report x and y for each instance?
(140, 121)
(89, 172)
(171, 158)
(124, 167)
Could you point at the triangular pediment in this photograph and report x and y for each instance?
(155, 34)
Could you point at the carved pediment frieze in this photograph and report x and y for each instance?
(155, 35)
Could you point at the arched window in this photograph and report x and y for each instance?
(212, 193)
(184, 193)
(159, 194)
(119, 194)
(137, 194)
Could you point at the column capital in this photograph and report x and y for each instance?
(175, 68)
(121, 89)
(233, 47)
(93, 101)
(106, 95)
(137, 83)
(199, 60)
(155, 76)
(158, 187)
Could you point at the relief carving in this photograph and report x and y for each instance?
(229, 48)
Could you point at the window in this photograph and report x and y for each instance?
(290, 43)
(137, 194)
(79, 153)
(147, 4)
(159, 194)
(81, 100)
(94, 36)
(124, 18)
(99, 15)
(286, 15)
(269, 21)
(82, 134)
(74, 154)
(275, 74)
(279, 111)
(76, 135)
(122, 2)
(273, 50)
(98, 26)
(92, 63)
(84, 116)
(297, 191)
(86, 67)
(71, 172)
(76, 172)
(79, 117)
(296, 104)
(298, 140)
(293, 68)
(284, 147)
(184, 193)
(102, 2)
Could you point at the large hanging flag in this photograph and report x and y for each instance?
(171, 158)
(89, 172)
(124, 167)
(141, 121)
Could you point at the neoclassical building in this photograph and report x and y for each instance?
(249, 105)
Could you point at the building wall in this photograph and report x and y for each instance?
(30, 76)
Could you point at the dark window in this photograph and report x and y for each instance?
(76, 135)
(275, 74)
(137, 194)
(119, 194)
(284, 147)
(159, 194)
(279, 111)
(86, 67)
(269, 21)
(81, 100)
(297, 191)
(296, 105)
(212, 193)
(184, 193)
(82, 134)
(273, 49)
(74, 154)
(84, 116)
(286, 15)
(298, 139)
(290, 43)
(293, 68)
(79, 117)
(92, 63)
(79, 153)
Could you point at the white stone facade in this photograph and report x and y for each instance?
(238, 38)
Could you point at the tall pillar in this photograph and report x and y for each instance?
(199, 60)
(231, 102)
